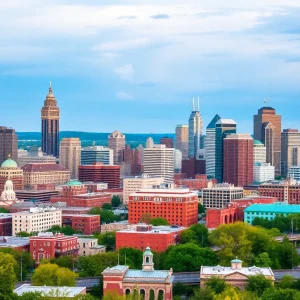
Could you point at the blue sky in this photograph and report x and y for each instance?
(135, 65)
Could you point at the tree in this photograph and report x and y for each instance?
(187, 236)
(201, 209)
(158, 221)
(216, 284)
(258, 284)
(280, 294)
(23, 234)
(179, 289)
(64, 261)
(134, 257)
(108, 239)
(188, 257)
(112, 296)
(115, 201)
(4, 210)
(53, 275)
(286, 282)
(107, 206)
(203, 294)
(146, 218)
(263, 260)
(7, 274)
(106, 216)
(229, 293)
(66, 230)
(201, 233)
(31, 296)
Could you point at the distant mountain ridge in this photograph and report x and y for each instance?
(27, 139)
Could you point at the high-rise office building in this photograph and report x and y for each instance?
(290, 149)
(238, 159)
(132, 161)
(8, 144)
(168, 141)
(223, 128)
(210, 147)
(259, 152)
(159, 161)
(267, 129)
(50, 125)
(195, 130)
(95, 154)
(116, 142)
(70, 152)
(182, 140)
(149, 142)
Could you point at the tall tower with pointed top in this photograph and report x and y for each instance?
(50, 125)
(195, 130)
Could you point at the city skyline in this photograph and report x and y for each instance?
(131, 63)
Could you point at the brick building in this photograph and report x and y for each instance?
(15, 243)
(193, 166)
(5, 224)
(36, 195)
(177, 205)
(198, 183)
(99, 172)
(238, 159)
(168, 141)
(48, 245)
(151, 284)
(132, 161)
(88, 224)
(158, 238)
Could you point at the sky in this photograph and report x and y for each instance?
(135, 65)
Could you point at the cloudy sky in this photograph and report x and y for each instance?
(135, 65)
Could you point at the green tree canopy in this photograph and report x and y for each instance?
(280, 294)
(7, 273)
(107, 206)
(4, 210)
(262, 260)
(106, 216)
(53, 275)
(216, 284)
(158, 221)
(201, 209)
(258, 284)
(286, 282)
(115, 201)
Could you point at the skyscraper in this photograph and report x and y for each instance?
(290, 149)
(210, 147)
(195, 130)
(95, 154)
(238, 159)
(8, 144)
(50, 125)
(159, 161)
(223, 128)
(267, 129)
(182, 140)
(116, 142)
(70, 152)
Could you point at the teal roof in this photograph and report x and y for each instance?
(278, 208)
(148, 251)
(257, 142)
(9, 163)
(236, 261)
(132, 275)
(74, 182)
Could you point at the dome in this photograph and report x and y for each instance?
(257, 142)
(148, 251)
(74, 182)
(9, 183)
(116, 134)
(9, 163)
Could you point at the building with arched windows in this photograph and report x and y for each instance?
(151, 284)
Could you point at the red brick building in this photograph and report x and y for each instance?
(132, 160)
(177, 205)
(99, 172)
(168, 141)
(238, 159)
(234, 211)
(47, 245)
(88, 224)
(198, 183)
(5, 224)
(193, 166)
(158, 238)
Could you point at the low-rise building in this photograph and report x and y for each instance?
(37, 219)
(15, 243)
(36, 195)
(269, 211)
(48, 245)
(159, 238)
(53, 291)
(5, 224)
(220, 195)
(86, 223)
(151, 284)
(263, 172)
(89, 246)
(236, 275)
(116, 226)
(294, 172)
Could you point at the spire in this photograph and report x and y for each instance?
(198, 103)
(50, 88)
(193, 104)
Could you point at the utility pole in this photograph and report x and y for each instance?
(21, 266)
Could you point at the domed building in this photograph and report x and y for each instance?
(116, 142)
(9, 170)
(8, 196)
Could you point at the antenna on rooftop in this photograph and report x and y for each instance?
(193, 104)
(266, 101)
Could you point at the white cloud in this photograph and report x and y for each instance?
(125, 72)
(124, 96)
(123, 45)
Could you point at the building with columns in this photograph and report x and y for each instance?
(70, 154)
(50, 125)
(150, 283)
(8, 196)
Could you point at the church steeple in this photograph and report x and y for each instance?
(148, 264)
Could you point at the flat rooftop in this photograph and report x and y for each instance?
(154, 230)
(5, 215)
(12, 241)
(79, 215)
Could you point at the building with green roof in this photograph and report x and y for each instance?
(269, 211)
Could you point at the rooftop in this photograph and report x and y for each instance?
(154, 230)
(74, 182)
(59, 290)
(257, 142)
(5, 215)
(277, 207)
(153, 276)
(226, 121)
(11, 241)
(9, 163)
(48, 167)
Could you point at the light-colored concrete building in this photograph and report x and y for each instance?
(221, 194)
(70, 154)
(182, 140)
(259, 152)
(294, 172)
(263, 172)
(35, 174)
(97, 154)
(136, 183)
(116, 226)
(159, 161)
(37, 219)
(89, 246)
(116, 142)
(34, 155)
